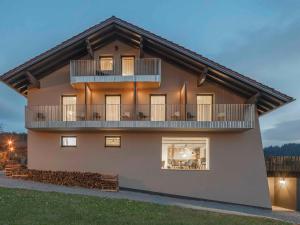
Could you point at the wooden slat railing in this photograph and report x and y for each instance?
(220, 115)
(282, 164)
(145, 66)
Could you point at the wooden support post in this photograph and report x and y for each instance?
(141, 47)
(253, 99)
(89, 48)
(85, 100)
(135, 100)
(202, 76)
(34, 83)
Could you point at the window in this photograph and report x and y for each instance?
(69, 108)
(158, 107)
(106, 63)
(112, 141)
(113, 107)
(68, 141)
(185, 153)
(127, 65)
(204, 107)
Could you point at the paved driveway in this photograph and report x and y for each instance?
(280, 214)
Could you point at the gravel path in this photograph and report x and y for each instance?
(285, 215)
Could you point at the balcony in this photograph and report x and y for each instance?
(141, 117)
(144, 72)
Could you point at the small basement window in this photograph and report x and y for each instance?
(68, 141)
(185, 153)
(112, 141)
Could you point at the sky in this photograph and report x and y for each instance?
(258, 38)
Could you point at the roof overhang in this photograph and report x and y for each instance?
(114, 28)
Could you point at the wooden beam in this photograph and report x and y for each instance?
(202, 77)
(89, 48)
(34, 83)
(253, 99)
(141, 47)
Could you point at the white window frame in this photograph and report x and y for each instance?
(190, 139)
(112, 146)
(68, 146)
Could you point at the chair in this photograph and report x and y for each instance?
(176, 116)
(141, 116)
(190, 116)
(96, 116)
(40, 116)
(126, 116)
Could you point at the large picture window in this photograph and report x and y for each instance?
(185, 153)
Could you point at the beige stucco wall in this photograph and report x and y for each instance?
(237, 171)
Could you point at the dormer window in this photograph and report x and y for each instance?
(128, 65)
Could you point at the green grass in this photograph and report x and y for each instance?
(22, 207)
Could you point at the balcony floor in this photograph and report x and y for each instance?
(142, 125)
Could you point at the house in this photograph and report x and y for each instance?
(118, 99)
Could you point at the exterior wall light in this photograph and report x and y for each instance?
(282, 181)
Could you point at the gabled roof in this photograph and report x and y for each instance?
(115, 28)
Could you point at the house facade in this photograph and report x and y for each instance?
(117, 99)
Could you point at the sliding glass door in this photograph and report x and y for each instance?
(158, 108)
(204, 107)
(113, 107)
(69, 108)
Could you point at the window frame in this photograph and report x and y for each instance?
(106, 57)
(128, 56)
(112, 136)
(119, 95)
(165, 95)
(62, 106)
(208, 161)
(212, 103)
(67, 146)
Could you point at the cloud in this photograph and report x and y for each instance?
(281, 133)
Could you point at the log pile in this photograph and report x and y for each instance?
(14, 169)
(81, 179)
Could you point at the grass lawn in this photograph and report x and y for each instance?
(41, 208)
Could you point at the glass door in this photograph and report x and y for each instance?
(204, 107)
(69, 108)
(113, 108)
(127, 66)
(158, 108)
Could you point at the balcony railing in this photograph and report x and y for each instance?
(143, 70)
(217, 116)
(284, 165)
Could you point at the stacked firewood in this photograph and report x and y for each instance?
(82, 179)
(14, 169)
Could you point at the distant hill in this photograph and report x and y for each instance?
(291, 149)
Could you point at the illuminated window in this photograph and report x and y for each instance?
(112, 141)
(185, 153)
(113, 107)
(68, 141)
(106, 63)
(69, 108)
(158, 108)
(127, 66)
(204, 107)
